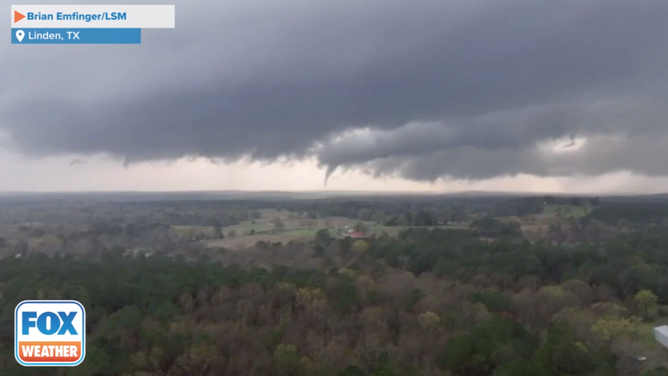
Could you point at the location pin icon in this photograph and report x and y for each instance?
(19, 35)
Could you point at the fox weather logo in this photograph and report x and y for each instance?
(49, 333)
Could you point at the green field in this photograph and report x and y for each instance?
(310, 232)
(295, 228)
(195, 230)
(565, 211)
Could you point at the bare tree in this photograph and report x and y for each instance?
(279, 224)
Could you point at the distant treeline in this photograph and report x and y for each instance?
(535, 205)
(227, 212)
(380, 209)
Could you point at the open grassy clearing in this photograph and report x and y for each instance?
(565, 211)
(301, 232)
(242, 242)
(247, 233)
(290, 221)
(193, 230)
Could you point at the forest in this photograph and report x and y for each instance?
(431, 301)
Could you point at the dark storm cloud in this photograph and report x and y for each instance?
(421, 89)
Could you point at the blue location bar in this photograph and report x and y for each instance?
(75, 36)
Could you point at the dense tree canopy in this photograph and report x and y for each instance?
(478, 298)
(164, 315)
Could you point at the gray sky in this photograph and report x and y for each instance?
(443, 95)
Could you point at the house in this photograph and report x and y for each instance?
(661, 335)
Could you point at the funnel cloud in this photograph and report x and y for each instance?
(421, 90)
